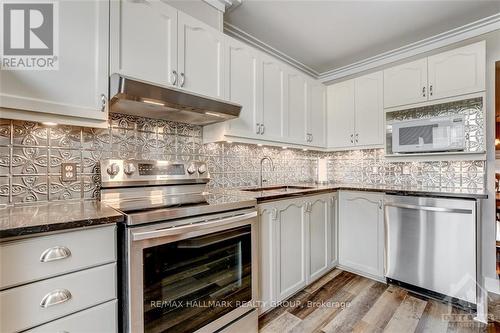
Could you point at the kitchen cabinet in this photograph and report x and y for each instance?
(361, 233)
(78, 89)
(297, 245)
(406, 83)
(296, 106)
(242, 79)
(457, 72)
(144, 43)
(316, 114)
(200, 57)
(355, 112)
(154, 42)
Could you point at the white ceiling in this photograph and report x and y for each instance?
(328, 34)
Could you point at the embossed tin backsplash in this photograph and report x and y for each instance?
(31, 155)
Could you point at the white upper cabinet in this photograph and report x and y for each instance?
(341, 114)
(316, 115)
(241, 78)
(457, 72)
(144, 40)
(406, 84)
(368, 100)
(79, 88)
(297, 107)
(273, 95)
(200, 57)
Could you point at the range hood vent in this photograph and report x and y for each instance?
(144, 99)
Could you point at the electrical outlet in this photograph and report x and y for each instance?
(68, 172)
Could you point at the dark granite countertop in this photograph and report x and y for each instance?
(45, 217)
(269, 195)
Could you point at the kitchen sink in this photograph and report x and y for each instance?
(283, 188)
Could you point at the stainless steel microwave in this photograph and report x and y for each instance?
(429, 135)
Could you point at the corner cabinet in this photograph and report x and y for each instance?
(154, 42)
(355, 113)
(78, 90)
(297, 245)
(361, 233)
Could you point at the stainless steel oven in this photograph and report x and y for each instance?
(199, 275)
(188, 258)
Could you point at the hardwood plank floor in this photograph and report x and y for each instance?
(344, 302)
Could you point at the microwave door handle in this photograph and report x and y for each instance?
(138, 236)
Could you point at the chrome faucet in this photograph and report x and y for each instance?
(261, 163)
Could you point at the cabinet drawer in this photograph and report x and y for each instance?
(38, 258)
(22, 307)
(101, 318)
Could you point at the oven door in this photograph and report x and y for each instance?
(199, 275)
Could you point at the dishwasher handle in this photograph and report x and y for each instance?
(429, 208)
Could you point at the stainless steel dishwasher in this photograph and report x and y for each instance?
(430, 243)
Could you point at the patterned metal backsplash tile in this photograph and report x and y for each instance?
(31, 155)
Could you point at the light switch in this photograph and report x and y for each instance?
(68, 172)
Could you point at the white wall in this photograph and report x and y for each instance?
(200, 10)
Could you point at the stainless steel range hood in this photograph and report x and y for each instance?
(145, 99)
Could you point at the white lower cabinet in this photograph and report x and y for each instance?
(101, 318)
(361, 233)
(297, 245)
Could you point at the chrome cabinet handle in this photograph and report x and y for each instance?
(258, 128)
(352, 138)
(104, 100)
(263, 129)
(380, 204)
(423, 92)
(55, 253)
(183, 79)
(312, 137)
(357, 137)
(430, 89)
(55, 297)
(174, 73)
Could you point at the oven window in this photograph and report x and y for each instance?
(192, 282)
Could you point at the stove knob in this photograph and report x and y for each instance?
(113, 169)
(202, 168)
(129, 169)
(191, 169)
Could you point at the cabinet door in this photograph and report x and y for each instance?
(267, 256)
(291, 248)
(319, 224)
(457, 72)
(317, 114)
(333, 255)
(272, 89)
(406, 84)
(296, 97)
(79, 88)
(242, 87)
(341, 114)
(144, 43)
(361, 242)
(369, 110)
(200, 57)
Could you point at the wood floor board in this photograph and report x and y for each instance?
(344, 302)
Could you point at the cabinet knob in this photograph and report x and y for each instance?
(430, 89)
(104, 100)
(183, 79)
(174, 74)
(263, 128)
(423, 92)
(258, 128)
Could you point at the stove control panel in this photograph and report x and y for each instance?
(129, 172)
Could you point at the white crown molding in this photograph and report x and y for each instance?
(236, 32)
(224, 5)
(456, 35)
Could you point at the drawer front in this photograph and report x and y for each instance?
(22, 306)
(101, 318)
(38, 258)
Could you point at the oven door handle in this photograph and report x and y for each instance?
(138, 236)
